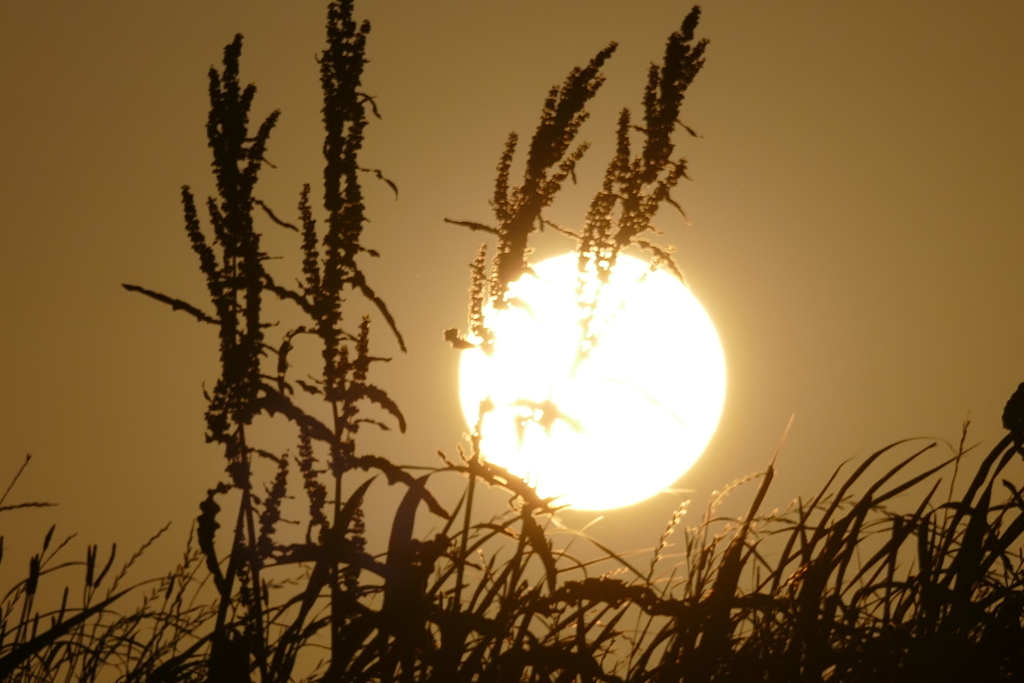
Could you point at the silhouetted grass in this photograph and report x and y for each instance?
(905, 566)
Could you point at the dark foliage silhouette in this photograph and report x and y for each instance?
(884, 574)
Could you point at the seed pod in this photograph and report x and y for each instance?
(63, 606)
(33, 576)
(90, 564)
(49, 537)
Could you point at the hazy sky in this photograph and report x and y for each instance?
(857, 213)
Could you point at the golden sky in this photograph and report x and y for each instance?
(857, 220)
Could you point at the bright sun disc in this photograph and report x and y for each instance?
(619, 425)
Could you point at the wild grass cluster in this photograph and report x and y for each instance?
(904, 566)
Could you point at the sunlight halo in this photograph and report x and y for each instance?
(617, 424)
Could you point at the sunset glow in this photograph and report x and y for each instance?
(617, 424)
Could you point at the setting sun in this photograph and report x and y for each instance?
(605, 426)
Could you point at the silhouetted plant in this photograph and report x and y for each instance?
(843, 587)
(85, 638)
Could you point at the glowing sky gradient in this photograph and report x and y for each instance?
(856, 216)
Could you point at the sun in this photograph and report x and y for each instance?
(601, 414)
